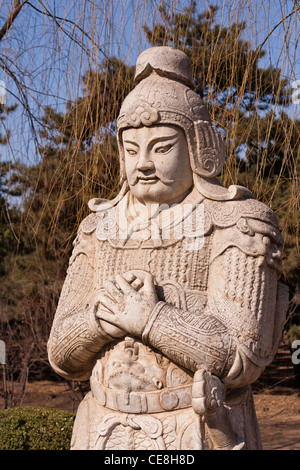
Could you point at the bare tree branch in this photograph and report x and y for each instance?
(17, 8)
(56, 19)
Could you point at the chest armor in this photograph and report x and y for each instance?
(181, 272)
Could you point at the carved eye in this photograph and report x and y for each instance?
(131, 151)
(163, 148)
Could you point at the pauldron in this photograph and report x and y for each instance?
(246, 224)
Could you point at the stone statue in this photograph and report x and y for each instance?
(171, 304)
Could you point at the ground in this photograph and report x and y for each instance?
(276, 396)
(277, 402)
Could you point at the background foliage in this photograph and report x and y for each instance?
(67, 67)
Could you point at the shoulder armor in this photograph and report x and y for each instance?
(248, 225)
(100, 209)
(227, 213)
(82, 243)
(89, 224)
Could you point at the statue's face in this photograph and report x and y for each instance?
(157, 163)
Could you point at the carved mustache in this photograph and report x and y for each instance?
(135, 179)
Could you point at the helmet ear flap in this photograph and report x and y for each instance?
(121, 159)
(209, 151)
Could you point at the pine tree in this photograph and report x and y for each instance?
(10, 217)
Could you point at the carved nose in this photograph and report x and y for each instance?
(144, 163)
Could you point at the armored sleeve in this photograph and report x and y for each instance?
(76, 335)
(237, 332)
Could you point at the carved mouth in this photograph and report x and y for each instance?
(148, 179)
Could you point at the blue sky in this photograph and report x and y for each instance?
(51, 64)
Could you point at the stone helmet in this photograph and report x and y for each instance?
(164, 94)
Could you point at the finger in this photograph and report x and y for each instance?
(134, 273)
(137, 283)
(140, 274)
(129, 276)
(143, 278)
(124, 285)
(112, 290)
(149, 285)
(108, 303)
(108, 317)
(132, 278)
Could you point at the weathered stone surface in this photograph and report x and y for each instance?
(171, 304)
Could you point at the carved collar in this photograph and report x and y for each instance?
(131, 225)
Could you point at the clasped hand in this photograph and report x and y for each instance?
(127, 301)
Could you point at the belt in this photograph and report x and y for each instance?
(173, 398)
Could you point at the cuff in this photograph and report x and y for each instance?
(153, 316)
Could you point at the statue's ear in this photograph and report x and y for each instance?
(121, 159)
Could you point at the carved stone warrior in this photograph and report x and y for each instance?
(171, 305)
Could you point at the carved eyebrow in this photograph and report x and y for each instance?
(130, 142)
(163, 138)
(154, 140)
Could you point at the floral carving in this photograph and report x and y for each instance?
(141, 114)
